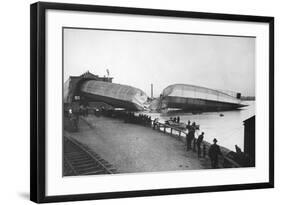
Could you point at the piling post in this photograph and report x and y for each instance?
(194, 145)
(204, 150)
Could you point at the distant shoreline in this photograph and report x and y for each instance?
(248, 98)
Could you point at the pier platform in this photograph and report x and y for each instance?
(133, 148)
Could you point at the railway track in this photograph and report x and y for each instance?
(79, 160)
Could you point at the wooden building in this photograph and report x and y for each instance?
(250, 139)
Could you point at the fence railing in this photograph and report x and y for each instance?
(165, 127)
(226, 162)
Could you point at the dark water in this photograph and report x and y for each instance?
(228, 129)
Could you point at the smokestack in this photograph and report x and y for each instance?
(151, 91)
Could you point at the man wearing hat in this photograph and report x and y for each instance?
(214, 152)
(189, 136)
(199, 142)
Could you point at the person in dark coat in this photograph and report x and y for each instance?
(192, 130)
(155, 122)
(189, 136)
(214, 152)
(178, 119)
(199, 142)
(188, 125)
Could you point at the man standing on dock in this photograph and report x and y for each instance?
(199, 142)
(188, 136)
(214, 152)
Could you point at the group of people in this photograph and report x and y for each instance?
(190, 135)
(128, 117)
(175, 119)
(214, 150)
(83, 110)
(141, 119)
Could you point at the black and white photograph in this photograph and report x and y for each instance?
(147, 101)
(134, 102)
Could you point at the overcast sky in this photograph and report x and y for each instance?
(140, 58)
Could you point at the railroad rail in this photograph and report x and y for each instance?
(78, 160)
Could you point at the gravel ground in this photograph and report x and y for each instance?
(134, 148)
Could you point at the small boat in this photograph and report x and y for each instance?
(179, 125)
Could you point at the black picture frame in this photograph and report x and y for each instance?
(38, 100)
